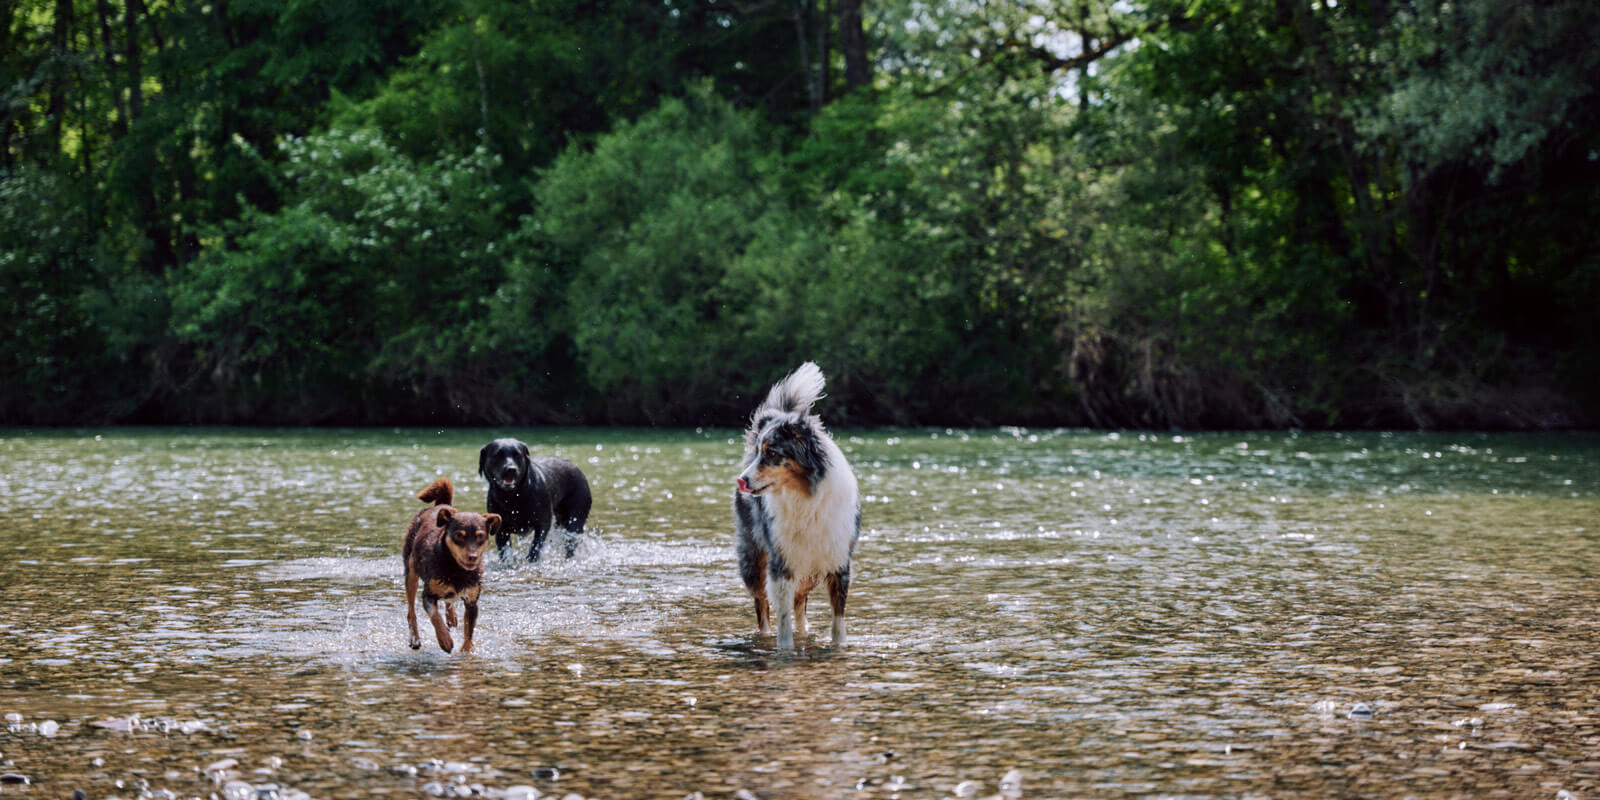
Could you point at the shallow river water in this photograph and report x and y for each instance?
(219, 612)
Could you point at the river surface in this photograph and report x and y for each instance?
(220, 612)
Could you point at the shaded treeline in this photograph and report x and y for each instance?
(1224, 213)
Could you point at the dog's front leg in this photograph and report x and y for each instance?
(537, 549)
(472, 622)
(430, 604)
(780, 594)
(411, 608)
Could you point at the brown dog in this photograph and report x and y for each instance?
(443, 553)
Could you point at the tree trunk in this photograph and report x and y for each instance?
(853, 42)
(109, 53)
(130, 21)
(824, 63)
(60, 41)
(802, 23)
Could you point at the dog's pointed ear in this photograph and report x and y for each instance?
(491, 523)
(446, 513)
(483, 460)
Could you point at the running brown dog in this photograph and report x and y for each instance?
(443, 554)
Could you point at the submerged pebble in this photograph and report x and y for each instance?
(221, 766)
(272, 791)
(119, 724)
(547, 773)
(49, 727)
(1360, 711)
(15, 778)
(966, 788)
(1011, 784)
(238, 790)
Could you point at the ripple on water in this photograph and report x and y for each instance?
(1138, 613)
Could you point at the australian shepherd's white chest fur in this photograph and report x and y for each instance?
(797, 513)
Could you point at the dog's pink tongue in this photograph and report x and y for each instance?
(744, 486)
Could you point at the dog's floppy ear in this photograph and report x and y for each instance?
(483, 459)
(443, 517)
(491, 523)
(524, 458)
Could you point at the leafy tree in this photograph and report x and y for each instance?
(372, 283)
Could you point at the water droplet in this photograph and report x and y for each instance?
(48, 728)
(966, 789)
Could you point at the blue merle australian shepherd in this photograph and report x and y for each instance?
(797, 512)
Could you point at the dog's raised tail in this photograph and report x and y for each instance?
(797, 391)
(439, 493)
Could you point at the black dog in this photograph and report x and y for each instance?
(530, 493)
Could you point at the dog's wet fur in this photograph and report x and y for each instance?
(533, 495)
(797, 510)
(444, 552)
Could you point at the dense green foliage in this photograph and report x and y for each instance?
(1169, 213)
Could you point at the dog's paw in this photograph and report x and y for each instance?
(466, 647)
(416, 644)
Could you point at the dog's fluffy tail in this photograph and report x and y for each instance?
(439, 493)
(796, 392)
